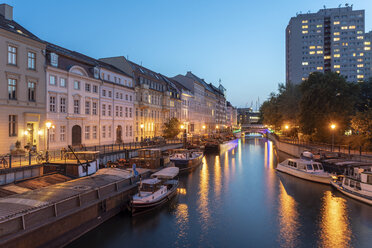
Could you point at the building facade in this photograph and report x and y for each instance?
(89, 102)
(368, 54)
(22, 97)
(329, 40)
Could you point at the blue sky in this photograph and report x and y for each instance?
(239, 42)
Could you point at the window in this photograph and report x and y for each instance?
(110, 93)
(54, 59)
(31, 91)
(121, 111)
(309, 167)
(121, 95)
(130, 112)
(12, 125)
(31, 58)
(12, 55)
(94, 134)
(109, 131)
(126, 111)
(103, 131)
(103, 92)
(87, 132)
(104, 109)
(76, 85)
(130, 131)
(12, 89)
(52, 80)
(130, 97)
(62, 104)
(94, 108)
(52, 135)
(95, 89)
(126, 97)
(77, 106)
(126, 131)
(52, 104)
(117, 111)
(62, 82)
(87, 107)
(109, 110)
(87, 87)
(117, 95)
(62, 133)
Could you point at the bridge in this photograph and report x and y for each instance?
(253, 128)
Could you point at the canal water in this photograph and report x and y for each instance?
(237, 199)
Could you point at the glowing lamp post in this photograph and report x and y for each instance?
(333, 127)
(142, 126)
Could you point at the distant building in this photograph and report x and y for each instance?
(22, 77)
(247, 116)
(329, 40)
(368, 54)
(231, 115)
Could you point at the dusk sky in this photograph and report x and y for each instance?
(239, 42)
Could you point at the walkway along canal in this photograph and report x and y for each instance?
(237, 199)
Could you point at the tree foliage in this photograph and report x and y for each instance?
(171, 128)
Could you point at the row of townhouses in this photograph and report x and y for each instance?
(53, 97)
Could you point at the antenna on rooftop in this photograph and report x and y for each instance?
(324, 6)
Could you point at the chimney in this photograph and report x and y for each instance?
(6, 11)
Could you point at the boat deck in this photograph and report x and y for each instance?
(30, 201)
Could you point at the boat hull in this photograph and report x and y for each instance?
(138, 208)
(351, 194)
(303, 175)
(188, 164)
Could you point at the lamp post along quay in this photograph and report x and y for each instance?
(333, 126)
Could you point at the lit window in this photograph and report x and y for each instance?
(360, 37)
(359, 32)
(319, 52)
(352, 27)
(338, 72)
(367, 48)
(31, 58)
(367, 43)
(336, 50)
(311, 47)
(336, 39)
(360, 65)
(354, 54)
(319, 25)
(360, 76)
(319, 68)
(12, 55)
(305, 26)
(344, 27)
(312, 52)
(336, 33)
(336, 66)
(319, 47)
(304, 31)
(305, 21)
(305, 63)
(327, 57)
(336, 55)
(303, 79)
(360, 60)
(345, 44)
(336, 23)
(361, 54)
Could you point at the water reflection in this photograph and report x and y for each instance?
(203, 208)
(217, 177)
(182, 220)
(334, 224)
(288, 219)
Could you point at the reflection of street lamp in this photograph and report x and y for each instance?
(333, 126)
(48, 126)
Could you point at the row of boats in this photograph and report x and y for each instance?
(355, 182)
(163, 184)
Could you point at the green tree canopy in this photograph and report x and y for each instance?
(172, 128)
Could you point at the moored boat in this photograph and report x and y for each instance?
(155, 191)
(356, 183)
(186, 159)
(305, 168)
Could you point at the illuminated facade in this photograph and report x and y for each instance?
(329, 40)
(22, 77)
(368, 54)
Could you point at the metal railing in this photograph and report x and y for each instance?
(37, 158)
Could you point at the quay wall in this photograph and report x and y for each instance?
(11, 175)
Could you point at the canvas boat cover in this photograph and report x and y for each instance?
(167, 173)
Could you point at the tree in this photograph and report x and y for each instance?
(326, 98)
(172, 128)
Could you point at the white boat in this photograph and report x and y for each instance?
(305, 169)
(356, 183)
(186, 159)
(155, 191)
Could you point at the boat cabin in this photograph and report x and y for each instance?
(305, 165)
(150, 185)
(360, 174)
(150, 159)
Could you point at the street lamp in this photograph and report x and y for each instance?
(286, 127)
(333, 126)
(142, 126)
